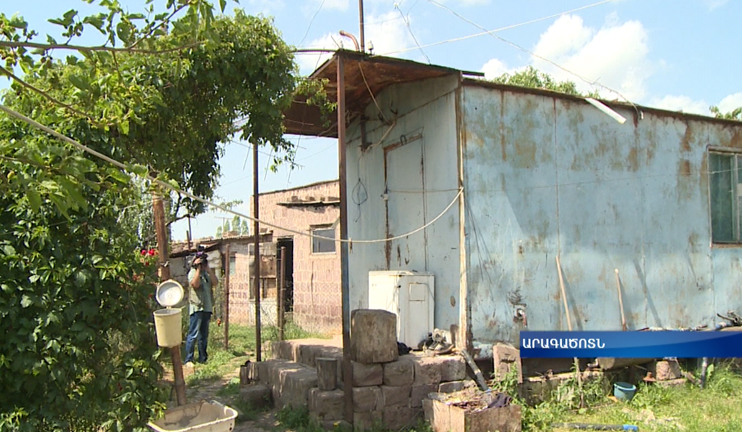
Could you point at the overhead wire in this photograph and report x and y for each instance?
(409, 29)
(486, 32)
(223, 208)
(321, 5)
(533, 54)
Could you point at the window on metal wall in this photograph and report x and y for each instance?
(323, 245)
(725, 182)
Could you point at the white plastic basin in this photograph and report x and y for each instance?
(197, 417)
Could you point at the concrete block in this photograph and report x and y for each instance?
(365, 375)
(427, 370)
(396, 395)
(400, 372)
(453, 368)
(373, 336)
(506, 358)
(445, 418)
(397, 418)
(367, 399)
(327, 373)
(256, 396)
(291, 384)
(420, 392)
(326, 405)
(367, 420)
(451, 386)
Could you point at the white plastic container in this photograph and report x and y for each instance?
(168, 327)
(197, 417)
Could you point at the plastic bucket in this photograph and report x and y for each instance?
(168, 327)
(624, 391)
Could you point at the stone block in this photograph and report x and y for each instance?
(453, 368)
(327, 373)
(420, 392)
(427, 370)
(256, 396)
(365, 375)
(326, 405)
(292, 384)
(367, 399)
(665, 370)
(397, 418)
(400, 372)
(451, 386)
(506, 358)
(367, 420)
(396, 395)
(373, 336)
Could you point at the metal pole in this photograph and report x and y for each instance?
(158, 212)
(256, 238)
(282, 294)
(226, 300)
(347, 370)
(190, 232)
(363, 38)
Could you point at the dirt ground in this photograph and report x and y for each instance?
(263, 421)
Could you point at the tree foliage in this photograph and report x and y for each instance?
(735, 114)
(533, 78)
(161, 95)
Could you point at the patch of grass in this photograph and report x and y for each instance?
(687, 408)
(232, 388)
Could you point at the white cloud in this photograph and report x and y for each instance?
(494, 68)
(731, 102)
(714, 4)
(308, 62)
(389, 34)
(682, 103)
(615, 55)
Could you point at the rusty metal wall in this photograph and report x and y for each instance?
(403, 182)
(547, 176)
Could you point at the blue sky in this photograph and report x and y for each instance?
(680, 55)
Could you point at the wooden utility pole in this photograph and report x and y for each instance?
(282, 294)
(344, 276)
(158, 210)
(226, 299)
(256, 238)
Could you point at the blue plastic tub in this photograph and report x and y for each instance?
(624, 391)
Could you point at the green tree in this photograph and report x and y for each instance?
(532, 77)
(245, 230)
(735, 114)
(162, 95)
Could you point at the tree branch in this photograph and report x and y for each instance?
(47, 96)
(163, 22)
(131, 50)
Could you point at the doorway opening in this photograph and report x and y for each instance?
(288, 269)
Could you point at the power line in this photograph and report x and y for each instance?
(513, 44)
(311, 21)
(170, 187)
(409, 28)
(499, 29)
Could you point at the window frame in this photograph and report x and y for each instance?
(313, 230)
(736, 199)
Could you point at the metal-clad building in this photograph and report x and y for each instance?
(527, 175)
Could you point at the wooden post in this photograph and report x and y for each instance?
(158, 210)
(327, 372)
(226, 299)
(282, 294)
(256, 238)
(344, 250)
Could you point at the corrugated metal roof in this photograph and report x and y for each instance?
(364, 75)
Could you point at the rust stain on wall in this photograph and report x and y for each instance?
(685, 143)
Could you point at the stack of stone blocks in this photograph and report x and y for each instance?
(388, 389)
